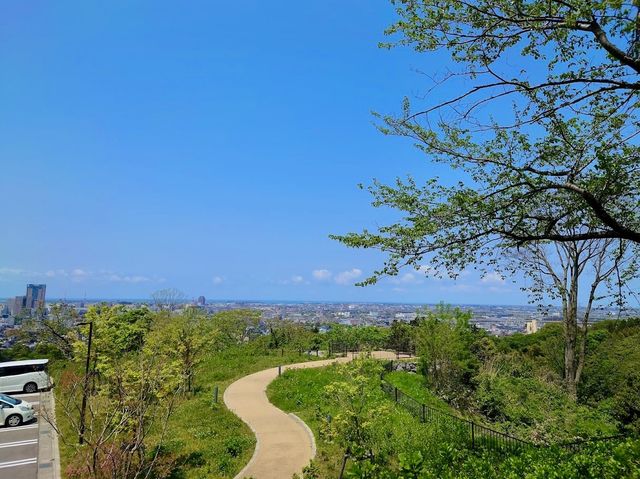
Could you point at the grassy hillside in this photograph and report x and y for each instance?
(391, 444)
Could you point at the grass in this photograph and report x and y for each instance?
(210, 441)
(415, 386)
(302, 392)
(218, 443)
(535, 410)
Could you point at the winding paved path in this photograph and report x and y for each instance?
(284, 444)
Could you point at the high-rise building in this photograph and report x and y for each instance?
(16, 305)
(201, 301)
(35, 296)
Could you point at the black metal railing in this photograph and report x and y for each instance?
(475, 435)
(461, 430)
(343, 348)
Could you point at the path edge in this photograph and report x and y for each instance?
(309, 433)
(253, 431)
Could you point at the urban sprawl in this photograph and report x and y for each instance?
(498, 320)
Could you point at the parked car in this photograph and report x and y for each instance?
(14, 411)
(29, 376)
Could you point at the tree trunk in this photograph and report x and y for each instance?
(570, 308)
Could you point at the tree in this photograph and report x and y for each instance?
(168, 299)
(401, 337)
(559, 271)
(443, 342)
(237, 325)
(513, 191)
(183, 339)
(133, 394)
(53, 329)
(568, 72)
(360, 415)
(131, 403)
(580, 50)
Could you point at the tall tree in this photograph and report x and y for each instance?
(559, 271)
(546, 103)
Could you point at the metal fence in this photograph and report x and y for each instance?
(341, 348)
(473, 434)
(338, 348)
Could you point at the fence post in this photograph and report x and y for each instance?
(424, 413)
(396, 393)
(215, 394)
(279, 370)
(473, 435)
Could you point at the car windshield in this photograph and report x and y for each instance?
(10, 400)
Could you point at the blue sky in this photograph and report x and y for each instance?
(206, 146)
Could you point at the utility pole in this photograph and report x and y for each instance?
(85, 391)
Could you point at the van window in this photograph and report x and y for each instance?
(15, 370)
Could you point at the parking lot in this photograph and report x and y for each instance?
(19, 446)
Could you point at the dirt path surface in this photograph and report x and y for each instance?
(284, 444)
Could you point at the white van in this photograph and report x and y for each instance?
(29, 376)
(14, 411)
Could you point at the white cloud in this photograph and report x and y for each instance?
(441, 272)
(126, 278)
(493, 278)
(406, 278)
(459, 288)
(296, 279)
(14, 272)
(79, 274)
(348, 277)
(217, 280)
(321, 274)
(8, 273)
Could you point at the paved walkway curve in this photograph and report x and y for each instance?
(284, 444)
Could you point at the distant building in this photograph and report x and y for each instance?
(35, 296)
(531, 327)
(16, 305)
(201, 301)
